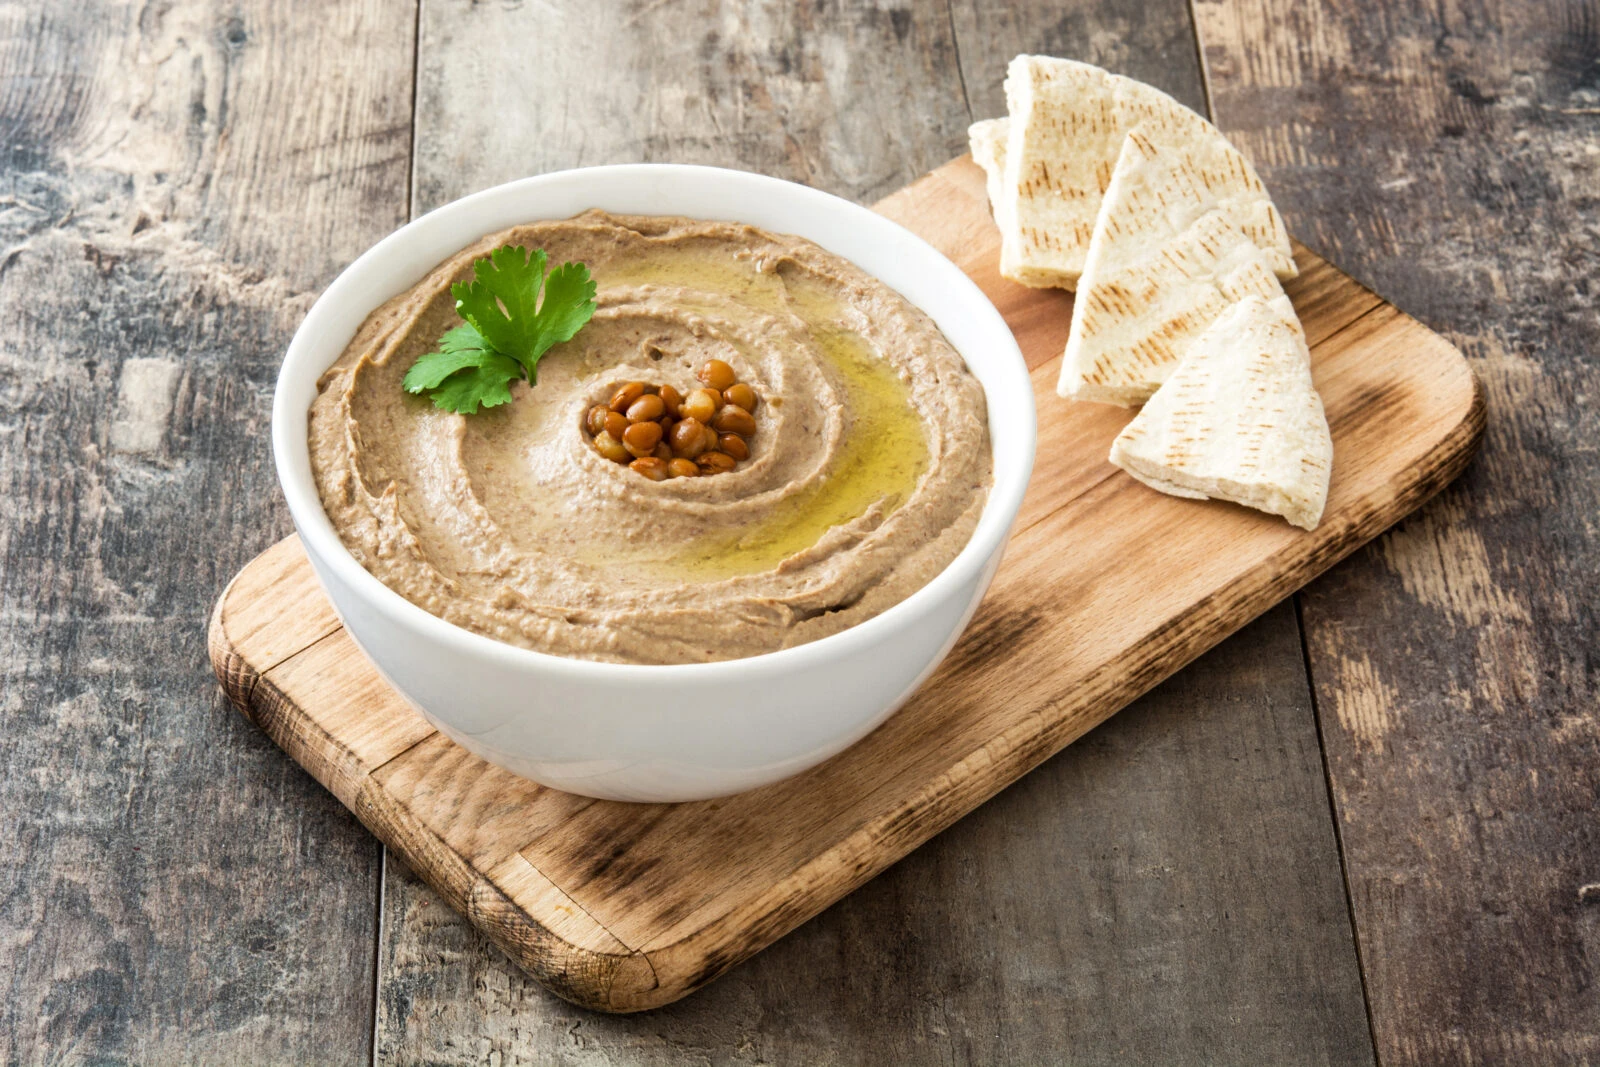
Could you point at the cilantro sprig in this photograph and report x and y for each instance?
(508, 328)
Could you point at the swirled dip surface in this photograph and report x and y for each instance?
(866, 477)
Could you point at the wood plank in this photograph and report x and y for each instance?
(1063, 641)
(179, 180)
(854, 98)
(1446, 153)
(1153, 42)
(859, 101)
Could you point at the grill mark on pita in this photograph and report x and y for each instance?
(1108, 302)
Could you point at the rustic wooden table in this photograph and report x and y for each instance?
(1362, 830)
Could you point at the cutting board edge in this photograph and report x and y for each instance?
(644, 979)
(569, 970)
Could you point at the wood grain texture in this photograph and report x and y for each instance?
(1153, 42)
(854, 98)
(622, 907)
(176, 180)
(1102, 937)
(1450, 155)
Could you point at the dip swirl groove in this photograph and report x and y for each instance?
(866, 479)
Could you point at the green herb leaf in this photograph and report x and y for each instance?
(507, 330)
(568, 305)
(488, 384)
(503, 303)
(459, 349)
(464, 374)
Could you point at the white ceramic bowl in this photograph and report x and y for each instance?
(602, 729)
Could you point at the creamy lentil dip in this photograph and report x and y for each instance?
(865, 477)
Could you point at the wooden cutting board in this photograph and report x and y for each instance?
(1107, 588)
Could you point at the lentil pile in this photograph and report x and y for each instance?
(660, 433)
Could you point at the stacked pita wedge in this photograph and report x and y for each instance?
(1239, 419)
(1066, 128)
(1105, 185)
(1167, 256)
(987, 140)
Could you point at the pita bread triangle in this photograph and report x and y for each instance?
(1166, 259)
(1067, 124)
(1239, 419)
(987, 140)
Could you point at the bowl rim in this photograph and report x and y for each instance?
(324, 546)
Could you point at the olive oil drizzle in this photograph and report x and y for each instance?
(882, 455)
(883, 452)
